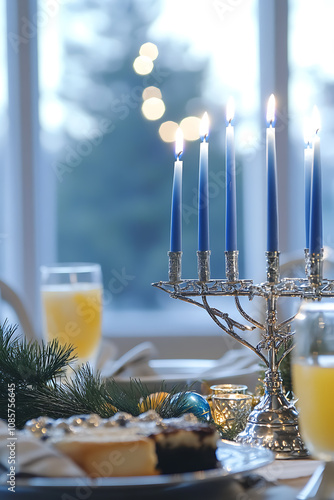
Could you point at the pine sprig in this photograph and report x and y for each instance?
(36, 364)
(126, 397)
(83, 393)
(38, 370)
(135, 398)
(87, 393)
(30, 363)
(6, 336)
(41, 389)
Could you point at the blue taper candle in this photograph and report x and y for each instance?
(176, 216)
(308, 161)
(316, 194)
(272, 201)
(203, 186)
(231, 195)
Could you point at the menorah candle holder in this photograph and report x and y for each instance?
(274, 421)
(174, 268)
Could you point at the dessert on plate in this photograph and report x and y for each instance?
(124, 445)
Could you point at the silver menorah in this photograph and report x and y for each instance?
(274, 421)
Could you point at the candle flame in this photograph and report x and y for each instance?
(316, 119)
(230, 109)
(204, 126)
(178, 143)
(271, 109)
(308, 131)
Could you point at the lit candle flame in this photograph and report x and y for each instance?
(308, 131)
(316, 119)
(271, 109)
(178, 143)
(204, 127)
(230, 109)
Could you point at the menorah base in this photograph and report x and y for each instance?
(274, 424)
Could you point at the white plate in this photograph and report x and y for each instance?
(234, 458)
(188, 371)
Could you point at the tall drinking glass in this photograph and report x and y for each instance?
(313, 382)
(72, 307)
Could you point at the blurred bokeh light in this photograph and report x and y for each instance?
(190, 128)
(143, 65)
(149, 50)
(167, 131)
(153, 108)
(151, 92)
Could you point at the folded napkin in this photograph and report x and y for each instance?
(107, 353)
(234, 360)
(134, 363)
(238, 365)
(31, 456)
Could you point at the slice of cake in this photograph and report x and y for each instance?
(185, 446)
(113, 453)
(131, 446)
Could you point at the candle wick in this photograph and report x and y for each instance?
(179, 155)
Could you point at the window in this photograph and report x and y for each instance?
(112, 159)
(311, 83)
(100, 189)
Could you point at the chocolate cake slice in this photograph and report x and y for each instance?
(189, 448)
(131, 446)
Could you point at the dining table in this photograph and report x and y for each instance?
(281, 479)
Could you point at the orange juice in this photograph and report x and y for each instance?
(72, 314)
(314, 388)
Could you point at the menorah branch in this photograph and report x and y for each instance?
(246, 316)
(286, 322)
(284, 355)
(232, 333)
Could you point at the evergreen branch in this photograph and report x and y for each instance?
(83, 394)
(231, 432)
(6, 336)
(126, 397)
(135, 398)
(86, 393)
(36, 364)
(37, 369)
(30, 363)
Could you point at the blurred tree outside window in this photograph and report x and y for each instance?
(116, 78)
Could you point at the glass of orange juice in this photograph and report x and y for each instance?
(72, 307)
(313, 383)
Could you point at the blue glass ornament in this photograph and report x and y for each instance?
(196, 404)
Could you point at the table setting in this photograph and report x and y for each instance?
(78, 422)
